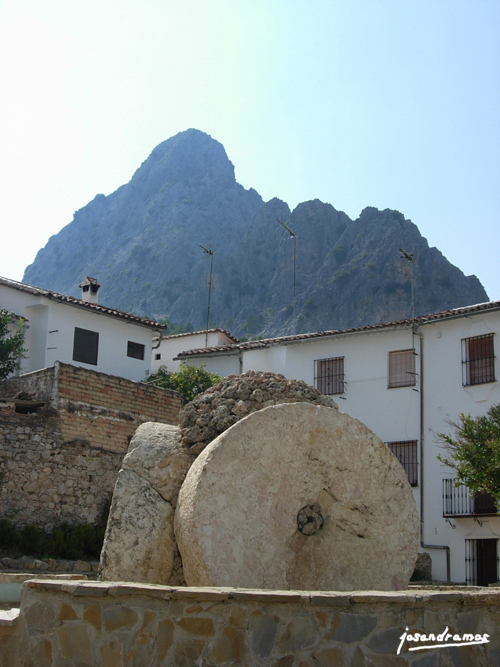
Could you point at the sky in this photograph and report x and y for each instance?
(386, 103)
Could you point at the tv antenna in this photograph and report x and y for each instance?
(294, 237)
(211, 253)
(404, 254)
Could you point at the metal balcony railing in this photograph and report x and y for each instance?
(459, 501)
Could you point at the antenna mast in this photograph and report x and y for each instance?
(294, 237)
(211, 253)
(409, 256)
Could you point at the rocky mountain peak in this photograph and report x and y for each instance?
(142, 243)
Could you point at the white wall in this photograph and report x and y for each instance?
(224, 366)
(171, 346)
(50, 336)
(395, 414)
(445, 398)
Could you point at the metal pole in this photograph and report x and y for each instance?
(294, 237)
(409, 256)
(211, 253)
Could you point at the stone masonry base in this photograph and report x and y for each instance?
(106, 624)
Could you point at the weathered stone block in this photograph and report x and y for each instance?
(263, 628)
(74, 641)
(165, 635)
(230, 647)
(139, 542)
(38, 618)
(119, 617)
(197, 626)
(353, 628)
(301, 633)
(328, 657)
(188, 652)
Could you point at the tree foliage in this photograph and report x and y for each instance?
(188, 381)
(474, 452)
(11, 343)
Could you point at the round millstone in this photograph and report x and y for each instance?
(297, 496)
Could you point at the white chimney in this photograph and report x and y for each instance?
(89, 287)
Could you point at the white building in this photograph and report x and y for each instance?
(79, 331)
(404, 382)
(166, 348)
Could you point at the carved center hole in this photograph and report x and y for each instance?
(309, 519)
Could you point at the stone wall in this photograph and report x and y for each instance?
(105, 624)
(63, 434)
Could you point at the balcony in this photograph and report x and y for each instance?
(459, 501)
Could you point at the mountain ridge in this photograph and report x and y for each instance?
(143, 242)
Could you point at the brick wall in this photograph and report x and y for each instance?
(105, 410)
(60, 462)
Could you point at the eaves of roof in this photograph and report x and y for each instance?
(421, 320)
(73, 301)
(203, 331)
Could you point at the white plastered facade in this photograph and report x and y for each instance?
(50, 334)
(411, 413)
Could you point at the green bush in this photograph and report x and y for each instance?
(30, 539)
(73, 542)
(8, 535)
(188, 381)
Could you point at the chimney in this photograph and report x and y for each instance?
(89, 287)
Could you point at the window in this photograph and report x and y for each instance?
(478, 360)
(406, 452)
(157, 357)
(85, 346)
(135, 350)
(401, 368)
(329, 375)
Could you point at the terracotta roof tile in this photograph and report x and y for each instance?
(62, 298)
(203, 331)
(268, 342)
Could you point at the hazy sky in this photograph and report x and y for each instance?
(386, 103)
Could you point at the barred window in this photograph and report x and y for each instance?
(329, 375)
(406, 452)
(401, 368)
(478, 360)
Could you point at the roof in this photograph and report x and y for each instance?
(203, 331)
(284, 340)
(73, 301)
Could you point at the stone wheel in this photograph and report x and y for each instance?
(297, 496)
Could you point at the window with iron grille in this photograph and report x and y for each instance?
(329, 375)
(401, 368)
(406, 452)
(478, 360)
(85, 346)
(135, 350)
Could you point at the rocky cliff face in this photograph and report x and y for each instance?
(142, 243)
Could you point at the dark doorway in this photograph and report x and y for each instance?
(487, 564)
